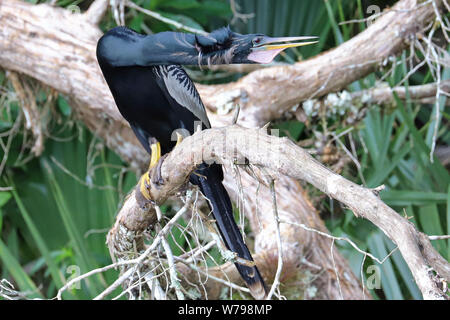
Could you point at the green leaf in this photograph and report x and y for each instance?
(337, 32)
(389, 280)
(292, 129)
(421, 151)
(4, 197)
(184, 20)
(431, 225)
(448, 222)
(408, 197)
(180, 4)
(136, 22)
(176, 238)
(78, 243)
(64, 106)
(40, 243)
(437, 107)
(380, 175)
(23, 281)
(404, 271)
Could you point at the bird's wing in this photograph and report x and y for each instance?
(181, 88)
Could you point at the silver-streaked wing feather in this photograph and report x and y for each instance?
(182, 89)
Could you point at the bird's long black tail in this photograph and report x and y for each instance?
(209, 179)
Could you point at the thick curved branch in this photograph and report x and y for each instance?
(282, 156)
(425, 93)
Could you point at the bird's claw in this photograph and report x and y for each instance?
(143, 196)
(157, 176)
(152, 177)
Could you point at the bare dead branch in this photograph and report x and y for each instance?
(30, 110)
(96, 11)
(282, 156)
(117, 243)
(384, 94)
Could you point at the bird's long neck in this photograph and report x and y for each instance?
(168, 48)
(180, 48)
(123, 47)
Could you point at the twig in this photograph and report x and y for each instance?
(335, 270)
(237, 15)
(441, 22)
(92, 272)
(76, 178)
(236, 114)
(334, 238)
(143, 256)
(175, 282)
(225, 282)
(190, 256)
(444, 237)
(164, 19)
(96, 11)
(276, 280)
(155, 287)
(383, 94)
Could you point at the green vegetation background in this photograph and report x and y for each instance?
(54, 221)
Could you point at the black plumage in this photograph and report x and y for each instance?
(156, 96)
(145, 102)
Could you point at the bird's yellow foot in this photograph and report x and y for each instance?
(155, 161)
(144, 182)
(179, 139)
(156, 154)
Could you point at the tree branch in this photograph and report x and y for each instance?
(282, 156)
(425, 93)
(96, 11)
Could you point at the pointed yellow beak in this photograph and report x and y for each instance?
(268, 48)
(266, 43)
(286, 45)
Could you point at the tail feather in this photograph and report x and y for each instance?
(210, 183)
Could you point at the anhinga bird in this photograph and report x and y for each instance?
(156, 96)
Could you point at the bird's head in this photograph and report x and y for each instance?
(224, 46)
(124, 47)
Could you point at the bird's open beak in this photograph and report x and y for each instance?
(269, 47)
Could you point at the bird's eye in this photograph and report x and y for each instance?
(257, 41)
